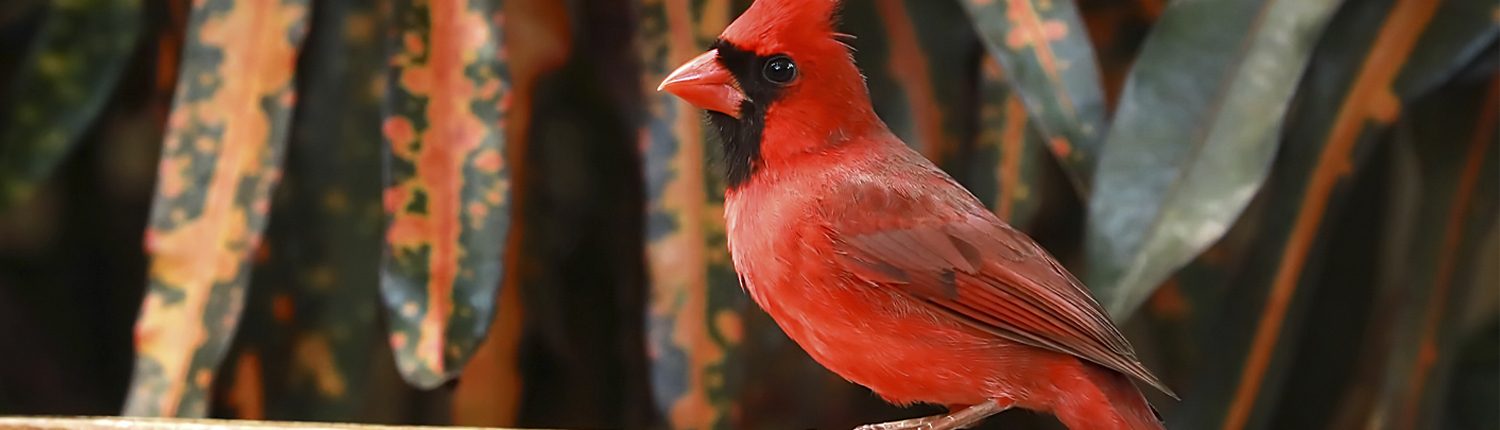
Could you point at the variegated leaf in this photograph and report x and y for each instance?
(695, 313)
(220, 161)
(1044, 48)
(447, 195)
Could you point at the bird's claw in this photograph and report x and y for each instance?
(962, 419)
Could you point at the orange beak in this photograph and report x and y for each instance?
(702, 82)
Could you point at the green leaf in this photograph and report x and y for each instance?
(66, 79)
(1457, 158)
(448, 188)
(1044, 46)
(219, 164)
(1353, 91)
(1183, 314)
(311, 337)
(1473, 394)
(1196, 132)
(1322, 345)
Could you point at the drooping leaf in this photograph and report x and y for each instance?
(1319, 352)
(695, 314)
(580, 217)
(1353, 89)
(447, 180)
(1182, 313)
(1117, 29)
(1457, 160)
(1006, 169)
(1044, 48)
(1197, 129)
(307, 348)
(220, 161)
(928, 60)
(499, 379)
(1476, 365)
(70, 72)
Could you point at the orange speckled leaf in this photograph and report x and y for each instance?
(447, 192)
(1007, 168)
(1045, 49)
(494, 382)
(219, 163)
(307, 349)
(926, 106)
(696, 304)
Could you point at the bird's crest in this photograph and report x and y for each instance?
(768, 24)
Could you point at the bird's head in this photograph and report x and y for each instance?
(777, 83)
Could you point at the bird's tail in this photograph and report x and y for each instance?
(1105, 400)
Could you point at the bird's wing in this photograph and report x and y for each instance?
(973, 267)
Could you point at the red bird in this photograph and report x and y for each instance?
(878, 264)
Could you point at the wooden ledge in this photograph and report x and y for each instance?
(119, 423)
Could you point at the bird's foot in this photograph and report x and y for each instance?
(911, 424)
(961, 419)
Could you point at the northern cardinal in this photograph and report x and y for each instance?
(878, 264)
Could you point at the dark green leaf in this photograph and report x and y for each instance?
(1457, 159)
(1350, 94)
(70, 72)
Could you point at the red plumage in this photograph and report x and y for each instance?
(882, 267)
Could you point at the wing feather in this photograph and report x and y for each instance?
(982, 272)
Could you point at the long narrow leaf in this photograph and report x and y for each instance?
(1182, 314)
(1197, 129)
(695, 315)
(447, 182)
(499, 378)
(1353, 90)
(220, 161)
(312, 318)
(927, 59)
(71, 71)
(1044, 47)
(1456, 157)
(1007, 168)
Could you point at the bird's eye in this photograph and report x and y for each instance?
(780, 70)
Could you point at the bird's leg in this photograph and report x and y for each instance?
(961, 419)
(967, 417)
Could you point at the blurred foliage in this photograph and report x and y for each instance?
(479, 212)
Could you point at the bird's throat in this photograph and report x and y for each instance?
(740, 138)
